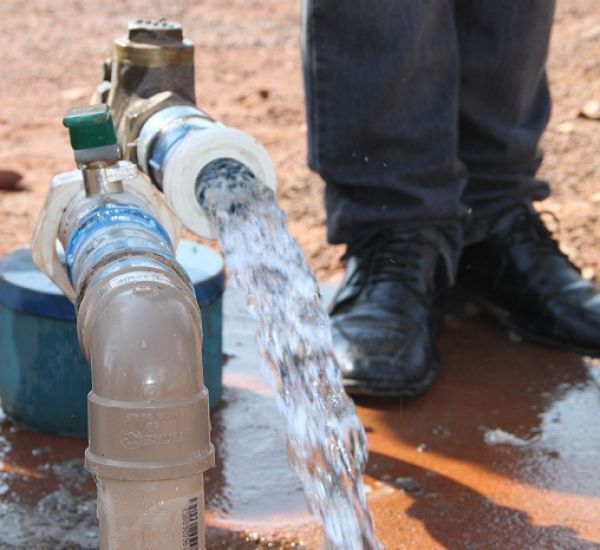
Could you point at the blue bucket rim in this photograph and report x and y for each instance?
(24, 288)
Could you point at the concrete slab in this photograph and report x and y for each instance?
(502, 453)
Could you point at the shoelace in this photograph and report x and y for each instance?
(528, 226)
(391, 256)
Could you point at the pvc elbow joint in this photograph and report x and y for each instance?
(148, 412)
(139, 326)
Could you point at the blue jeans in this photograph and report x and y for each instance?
(425, 111)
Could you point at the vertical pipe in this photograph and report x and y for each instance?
(139, 326)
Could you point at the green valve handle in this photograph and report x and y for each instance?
(90, 127)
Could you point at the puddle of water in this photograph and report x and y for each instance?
(60, 520)
(326, 441)
(64, 518)
(567, 452)
(263, 491)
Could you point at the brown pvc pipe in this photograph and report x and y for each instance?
(139, 326)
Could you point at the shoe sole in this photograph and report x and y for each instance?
(506, 320)
(360, 388)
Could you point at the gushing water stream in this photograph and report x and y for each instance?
(326, 441)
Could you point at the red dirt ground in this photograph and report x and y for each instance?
(249, 76)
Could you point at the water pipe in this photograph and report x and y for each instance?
(139, 327)
(149, 84)
(207, 170)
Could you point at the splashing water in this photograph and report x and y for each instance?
(326, 441)
(62, 519)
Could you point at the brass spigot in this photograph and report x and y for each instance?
(150, 69)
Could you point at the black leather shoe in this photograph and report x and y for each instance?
(384, 315)
(520, 276)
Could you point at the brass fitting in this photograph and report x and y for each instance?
(150, 69)
(159, 127)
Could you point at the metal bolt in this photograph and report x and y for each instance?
(156, 31)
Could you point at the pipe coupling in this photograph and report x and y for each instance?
(178, 142)
(148, 411)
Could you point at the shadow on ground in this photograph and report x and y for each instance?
(440, 503)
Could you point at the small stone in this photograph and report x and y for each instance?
(10, 181)
(565, 127)
(423, 448)
(75, 94)
(591, 34)
(39, 451)
(441, 431)
(409, 485)
(588, 273)
(591, 110)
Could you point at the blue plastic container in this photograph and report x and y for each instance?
(44, 378)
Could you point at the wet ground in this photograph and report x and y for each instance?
(502, 453)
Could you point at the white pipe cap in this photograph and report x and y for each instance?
(193, 153)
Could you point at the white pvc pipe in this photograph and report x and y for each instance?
(179, 142)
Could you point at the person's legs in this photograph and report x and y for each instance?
(381, 79)
(382, 106)
(513, 267)
(504, 101)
